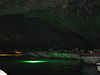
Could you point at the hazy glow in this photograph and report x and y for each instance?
(2, 72)
(61, 55)
(33, 61)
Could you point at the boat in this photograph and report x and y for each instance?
(91, 57)
(98, 66)
(2, 72)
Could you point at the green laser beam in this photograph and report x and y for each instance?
(33, 61)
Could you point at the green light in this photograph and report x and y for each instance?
(33, 61)
(63, 55)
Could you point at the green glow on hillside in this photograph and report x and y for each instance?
(33, 61)
(61, 55)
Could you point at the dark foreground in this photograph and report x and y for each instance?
(51, 66)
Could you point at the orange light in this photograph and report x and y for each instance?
(17, 52)
(10, 54)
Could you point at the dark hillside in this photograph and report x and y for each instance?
(17, 31)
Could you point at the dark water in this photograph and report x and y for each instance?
(52, 66)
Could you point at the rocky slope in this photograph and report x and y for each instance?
(79, 18)
(17, 31)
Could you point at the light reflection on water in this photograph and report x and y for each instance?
(52, 66)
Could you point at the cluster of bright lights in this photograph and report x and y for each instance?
(33, 61)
